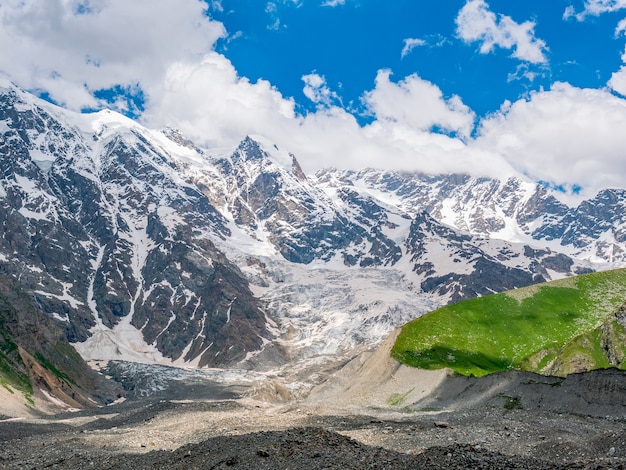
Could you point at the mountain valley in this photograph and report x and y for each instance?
(140, 246)
(142, 276)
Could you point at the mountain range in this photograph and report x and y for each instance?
(136, 244)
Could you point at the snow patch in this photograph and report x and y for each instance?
(64, 319)
(122, 343)
(170, 218)
(65, 297)
(57, 401)
(4, 127)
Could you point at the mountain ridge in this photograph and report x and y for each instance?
(140, 245)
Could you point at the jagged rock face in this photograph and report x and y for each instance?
(595, 230)
(477, 272)
(42, 241)
(462, 262)
(101, 227)
(300, 220)
(597, 225)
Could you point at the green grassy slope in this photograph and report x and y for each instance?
(555, 328)
(34, 353)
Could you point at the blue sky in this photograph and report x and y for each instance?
(350, 42)
(531, 88)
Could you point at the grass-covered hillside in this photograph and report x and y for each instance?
(35, 357)
(571, 325)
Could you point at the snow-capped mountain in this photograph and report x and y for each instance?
(101, 228)
(140, 245)
(514, 210)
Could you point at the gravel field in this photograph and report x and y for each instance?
(240, 433)
(369, 413)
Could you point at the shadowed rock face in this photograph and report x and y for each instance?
(301, 221)
(35, 356)
(100, 228)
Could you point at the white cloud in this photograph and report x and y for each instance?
(567, 136)
(594, 8)
(476, 23)
(272, 9)
(333, 138)
(526, 71)
(597, 8)
(208, 101)
(418, 104)
(410, 44)
(333, 3)
(316, 89)
(165, 48)
(217, 5)
(617, 82)
(275, 26)
(71, 48)
(214, 106)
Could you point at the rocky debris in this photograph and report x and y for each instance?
(144, 381)
(576, 423)
(290, 449)
(237, 434)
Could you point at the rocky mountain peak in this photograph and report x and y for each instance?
(297, 169)
(9, 92)
(266, 156)
(249, 149)
(111, 240)
(177, 137)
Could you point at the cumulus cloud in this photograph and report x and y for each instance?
(617, 82)
(212, 104)
(566, 136)
(216, 107)
(597, 8)
(164, 50)
(410, 44)
(418, 104)
(72, 48)
(316, 89)
(333, 138)
(477, 23)
(333, 3)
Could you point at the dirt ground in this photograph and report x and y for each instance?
(243, 433)
(368, 413)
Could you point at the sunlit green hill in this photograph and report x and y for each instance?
(571, 325)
